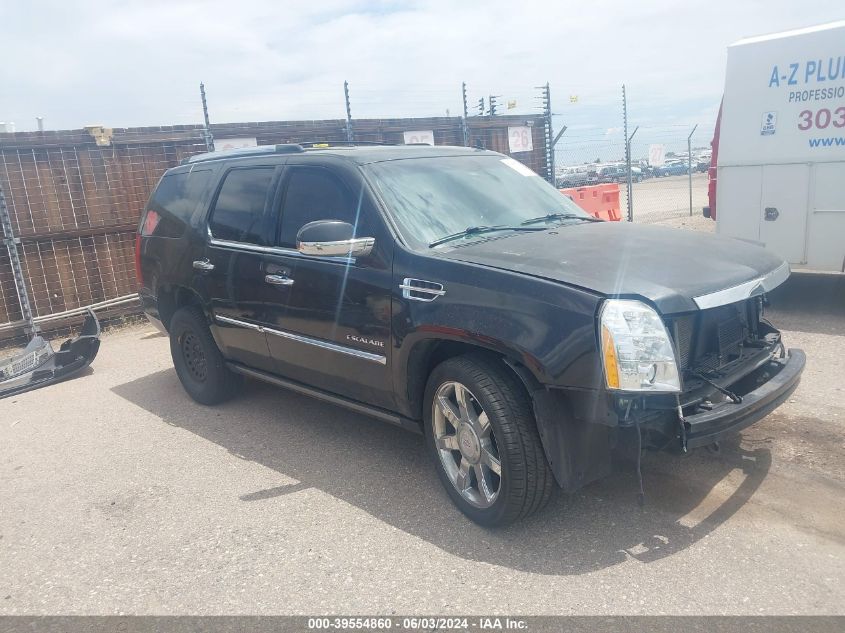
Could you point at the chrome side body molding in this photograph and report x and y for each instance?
(356, 247)
(274, 250)
(334, 347)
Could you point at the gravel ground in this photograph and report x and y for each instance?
(121, 495)
(667, 201)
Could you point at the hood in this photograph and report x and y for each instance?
(675, 269)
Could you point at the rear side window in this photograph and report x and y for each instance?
(174, 202)
(313, 194)
(238, 213)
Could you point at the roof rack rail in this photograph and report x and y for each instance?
(282, 148)
(318, 144)
(260, 150)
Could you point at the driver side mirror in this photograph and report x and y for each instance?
(332, 238)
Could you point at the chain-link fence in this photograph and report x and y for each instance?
(666, 167)
(669, 167)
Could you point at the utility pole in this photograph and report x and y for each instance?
(491, 100)
(206, 132)
(349, 135)
(481, 106)
(464, 122)
(689, 165)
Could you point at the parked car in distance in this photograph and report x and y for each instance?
(611, 173)
(646, 171)
(677, 168)
(425, 286)
(577, 178)
(619, 174)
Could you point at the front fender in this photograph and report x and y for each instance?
(578, 450)
(546, 326)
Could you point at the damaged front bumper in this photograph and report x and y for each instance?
(581, 429)
(39, 365)
(760, 393)
(719, 407)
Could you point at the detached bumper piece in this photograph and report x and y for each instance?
(39, 365)
(762, 392)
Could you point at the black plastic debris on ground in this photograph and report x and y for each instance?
(39, 365)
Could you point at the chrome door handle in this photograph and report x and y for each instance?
(278, 280)
(203, 264)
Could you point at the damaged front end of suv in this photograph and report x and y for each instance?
(687, 379)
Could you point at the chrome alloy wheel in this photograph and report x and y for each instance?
(466, 445)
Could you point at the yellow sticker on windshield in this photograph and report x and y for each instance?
(518, 167)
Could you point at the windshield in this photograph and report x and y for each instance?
(431, 198)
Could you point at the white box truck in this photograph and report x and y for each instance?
(777, 175)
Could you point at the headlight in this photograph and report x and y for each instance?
(636, 349)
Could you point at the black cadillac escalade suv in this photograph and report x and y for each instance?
(453, 292)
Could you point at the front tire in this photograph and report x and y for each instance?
(481, 432)
(198, 362)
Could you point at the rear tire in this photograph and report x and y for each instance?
(198, 362)
(493, 430)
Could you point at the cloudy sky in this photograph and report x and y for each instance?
(122, 63)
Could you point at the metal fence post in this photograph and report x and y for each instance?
(689, 165)
(209, 139)
(349, 135)
(630, 178)
(559, 134)
(11, 243)
(465, 121)
(629, 187)
(493, 105)
(549, 139)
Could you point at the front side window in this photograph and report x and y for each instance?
(431, 198)
(238, 213)
(314, 193)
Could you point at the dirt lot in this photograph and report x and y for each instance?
(121, 495)
(667, 201)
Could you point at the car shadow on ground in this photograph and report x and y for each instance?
(386, 472)
(809, 302)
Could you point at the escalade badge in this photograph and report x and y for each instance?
(364, 340)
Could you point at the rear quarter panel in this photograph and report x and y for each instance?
(166, 262)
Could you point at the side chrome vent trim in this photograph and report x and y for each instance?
(421, 290)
